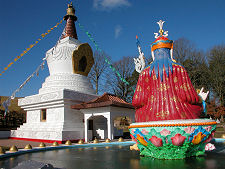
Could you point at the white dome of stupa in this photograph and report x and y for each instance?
(69, 62)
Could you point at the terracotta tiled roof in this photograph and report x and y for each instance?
(102, 101)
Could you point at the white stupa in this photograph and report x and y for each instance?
(49, 114)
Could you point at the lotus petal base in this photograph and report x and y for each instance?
(173, 139)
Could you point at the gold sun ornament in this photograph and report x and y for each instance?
(82, 59)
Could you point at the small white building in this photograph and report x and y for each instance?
(100, 115)
(49, 114)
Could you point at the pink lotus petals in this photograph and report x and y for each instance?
(209, 147)
(189, 130)
(144, 131)
(156, 141)
(132, 131)
(208, 128)
(178, 139)
(165, 132)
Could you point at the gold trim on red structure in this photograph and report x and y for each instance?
(171, 125)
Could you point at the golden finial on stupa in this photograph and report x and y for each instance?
(70, 10)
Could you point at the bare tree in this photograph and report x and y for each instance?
(216, 57)
(125, 67)
(194, 62)
(182, 50)
(98, 70)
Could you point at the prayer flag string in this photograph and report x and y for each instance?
(7, 102)
(100, 50)
(30, 47)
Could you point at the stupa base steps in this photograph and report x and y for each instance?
(49, 131)
(50, 127)
(47, 136)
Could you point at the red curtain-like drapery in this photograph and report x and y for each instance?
(172, 98)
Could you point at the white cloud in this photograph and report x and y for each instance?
(118, 31)
(109, 4)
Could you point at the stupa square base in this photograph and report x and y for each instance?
(46, 136)
(173, 139)
(43, 140)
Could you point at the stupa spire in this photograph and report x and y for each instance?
(70, 29)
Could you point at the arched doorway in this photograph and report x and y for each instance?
(97, 127)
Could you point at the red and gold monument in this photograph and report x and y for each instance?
(168, 108)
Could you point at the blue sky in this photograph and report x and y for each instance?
(113, 23)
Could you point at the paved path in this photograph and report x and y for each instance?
(19, 143)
